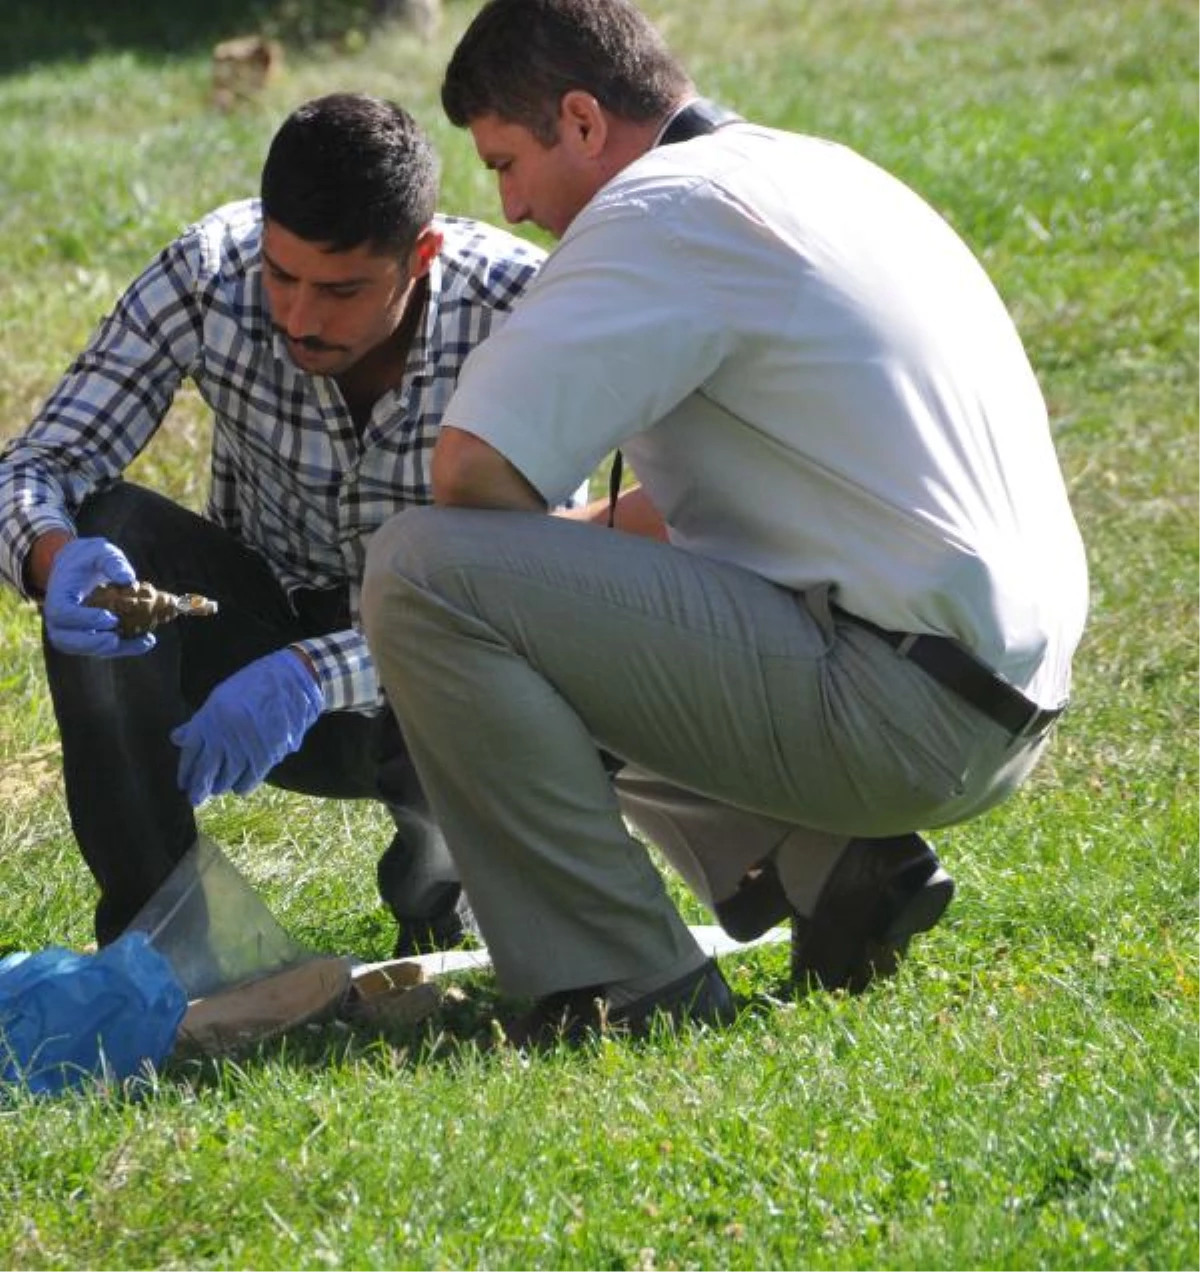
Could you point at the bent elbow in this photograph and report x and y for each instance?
(468, 473)
(450, 471)
(444, 484)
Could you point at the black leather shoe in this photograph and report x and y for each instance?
(881, 894)
(417, 881)
(702, 997)
(759, 903)
(446, 926)
(426, 934)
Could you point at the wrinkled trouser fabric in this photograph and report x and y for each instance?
(115, 716)
(515, 648)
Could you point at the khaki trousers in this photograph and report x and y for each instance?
(514, 647)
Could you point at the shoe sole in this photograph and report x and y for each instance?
(922, 910)
(880, 953)
(700, 998)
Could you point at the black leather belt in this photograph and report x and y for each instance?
(955, 667)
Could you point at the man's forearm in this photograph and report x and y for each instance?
(634, 514)
(40, 560)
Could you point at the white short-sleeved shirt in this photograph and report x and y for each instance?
(813, 378)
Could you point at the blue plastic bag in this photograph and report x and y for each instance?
(67, 1017)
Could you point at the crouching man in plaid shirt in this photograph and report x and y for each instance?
(325, 326)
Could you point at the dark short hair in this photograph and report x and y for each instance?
(518, 58)
(349, 169)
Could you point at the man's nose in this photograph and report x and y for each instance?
(515, 208)
(302, 318)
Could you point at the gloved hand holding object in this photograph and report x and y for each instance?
(249, 722)
(74, 627)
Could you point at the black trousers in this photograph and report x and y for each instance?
(115, 715)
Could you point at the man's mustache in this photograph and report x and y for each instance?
(311, 343)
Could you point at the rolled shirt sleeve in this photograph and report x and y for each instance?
(595, 353)
(105, 409)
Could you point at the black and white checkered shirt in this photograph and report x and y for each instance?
(290, 475)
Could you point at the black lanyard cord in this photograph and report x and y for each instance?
(614, 487)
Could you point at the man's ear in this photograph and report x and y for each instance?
(582, 123)
(425, 251)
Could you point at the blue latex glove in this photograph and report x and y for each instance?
(247, 725)
(67, 1017)
(75, 628)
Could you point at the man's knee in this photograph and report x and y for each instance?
(405, 552)
(453, 556)
(126, 514)
(386, 547)
(418, 542)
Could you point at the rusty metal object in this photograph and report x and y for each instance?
(141, 607)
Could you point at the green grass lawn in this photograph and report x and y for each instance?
(1024, 1094)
